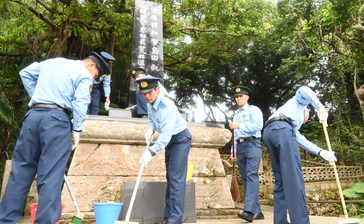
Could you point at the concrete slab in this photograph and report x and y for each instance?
(268, 220)
(119, 113)
(229, 219)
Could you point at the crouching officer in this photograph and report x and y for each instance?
(282, 137)
(47, 136)
(174, 137)
(247, 125)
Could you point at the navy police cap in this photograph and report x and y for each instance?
(107, 57)
(101, 63)
(241, 90)
(147, 83)
(134, 72)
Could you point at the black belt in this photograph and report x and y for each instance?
(52, 106)
(241, 140)
(281, 117)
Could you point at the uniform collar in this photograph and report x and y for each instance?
(243, 107)
(157, 101)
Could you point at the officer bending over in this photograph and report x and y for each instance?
(58, 88)
(282, 138)
(174, 137)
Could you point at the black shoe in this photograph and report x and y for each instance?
(248, 216)
(258, 216)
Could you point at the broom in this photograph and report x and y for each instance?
(347, 221)
(234, 188)
(77, 219)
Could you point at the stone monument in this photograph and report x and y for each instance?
(108, 156)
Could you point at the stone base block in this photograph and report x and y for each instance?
(210, 192)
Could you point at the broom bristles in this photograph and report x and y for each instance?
(234, 188)
(235, 192)
(76, 220)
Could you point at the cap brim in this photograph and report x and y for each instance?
(107, 57)
(146, 90)
(240, 94)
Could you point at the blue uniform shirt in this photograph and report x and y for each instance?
(163, 90)
(105, 83)
(250, 119)
(71, 89)
(164, 117)
(295, 109)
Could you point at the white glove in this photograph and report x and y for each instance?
(322, 114)
(75, 139)
(107, 103)
(328, 156)
(146, 158)
(148, 135)
(107, 108)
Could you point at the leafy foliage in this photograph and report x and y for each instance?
(356, 191)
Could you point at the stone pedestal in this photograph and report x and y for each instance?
(109, 155)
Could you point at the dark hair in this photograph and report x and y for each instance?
(312, 111)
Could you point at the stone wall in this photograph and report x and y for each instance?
(109, 154)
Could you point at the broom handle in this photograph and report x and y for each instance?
(135, 190)
(232, 142)
(234, 153)
(71, 193)
(324, 125)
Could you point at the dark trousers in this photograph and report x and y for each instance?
(94, 106)
(176, 158)
(43, 148)
(249, 154)
(289, 189)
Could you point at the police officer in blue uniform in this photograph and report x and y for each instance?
(174, 137)
(105, 80)
(58, 88)
(247, 125)
(282, 137)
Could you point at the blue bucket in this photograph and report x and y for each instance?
(107, 213)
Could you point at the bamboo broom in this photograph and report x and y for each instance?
(347, 220)
(324, 125)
